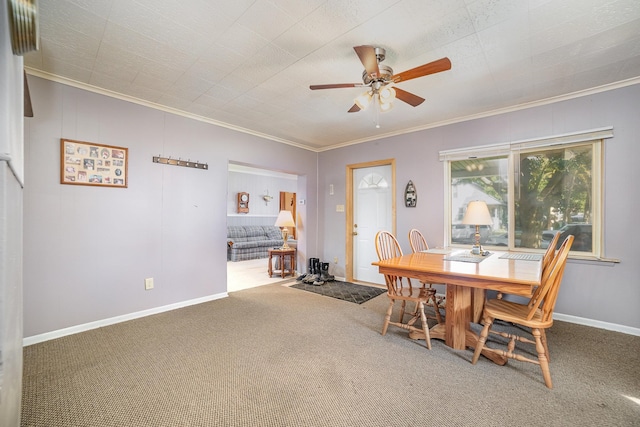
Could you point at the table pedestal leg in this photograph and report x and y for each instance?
(458, 316)
(478, 296)
(456, 332)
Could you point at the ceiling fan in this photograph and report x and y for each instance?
(381, 81)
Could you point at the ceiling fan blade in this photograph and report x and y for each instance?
(28, 108)
(367, 55)
(335, 86)
(443, 64)
(354, 109)
(408, 97)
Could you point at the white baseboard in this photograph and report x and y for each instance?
(597, 324)
(35, 339)
(113, 320)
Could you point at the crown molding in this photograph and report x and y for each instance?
(111, 94)
(547, 101)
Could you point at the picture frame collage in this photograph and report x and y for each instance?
(88, 163)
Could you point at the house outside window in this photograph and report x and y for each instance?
(533, 189)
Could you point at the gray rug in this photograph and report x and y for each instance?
(345, 291)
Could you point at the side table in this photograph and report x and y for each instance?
(282, 255)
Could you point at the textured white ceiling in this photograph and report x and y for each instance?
(248, 64)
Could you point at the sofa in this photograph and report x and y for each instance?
(246, 242)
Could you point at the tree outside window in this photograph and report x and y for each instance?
(552, 188)
(555, 190)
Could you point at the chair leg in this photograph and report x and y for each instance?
(387, 317)
(543, 337)
(542, 358)
(483, 338)
(430, 292)
(402, 308)
(425, 327)
(436, 308)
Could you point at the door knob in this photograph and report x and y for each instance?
(355, 233)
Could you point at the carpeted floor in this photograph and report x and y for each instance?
(275, 356)
(345, 291)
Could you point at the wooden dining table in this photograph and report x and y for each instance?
(466, 283)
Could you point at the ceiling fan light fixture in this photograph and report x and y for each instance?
(380, 79)
(385, 106)
(363, 100)
(387, 94)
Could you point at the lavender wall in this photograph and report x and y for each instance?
(598, 293)
(87, 250)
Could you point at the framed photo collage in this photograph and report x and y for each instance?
(87, 163)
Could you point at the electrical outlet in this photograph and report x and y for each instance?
(148, 283)
(335, 260)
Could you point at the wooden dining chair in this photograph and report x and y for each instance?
(549, 254)
(401, 289)
(537, 315)
(418, 244)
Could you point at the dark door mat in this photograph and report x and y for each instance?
(345, 291)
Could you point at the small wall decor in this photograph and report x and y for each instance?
(267, 198)
(410, 195)
(243, 202)
(87, 163)
(180, 162)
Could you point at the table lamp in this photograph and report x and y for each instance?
(477, 214)
(284, 220)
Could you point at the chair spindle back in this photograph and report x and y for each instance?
(417, 241)
(547, 260)
(551, 251)
(547, 293)
(387, 247)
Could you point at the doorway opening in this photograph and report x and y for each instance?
(255, 196)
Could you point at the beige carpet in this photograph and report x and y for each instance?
(275, 356)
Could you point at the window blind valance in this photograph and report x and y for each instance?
(503, 149)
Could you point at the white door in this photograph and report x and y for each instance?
(372, 212)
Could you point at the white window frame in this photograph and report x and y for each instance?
(512, 151)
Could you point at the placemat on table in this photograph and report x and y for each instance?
(525, 257)
(465, 257)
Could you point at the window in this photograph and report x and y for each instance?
(533, 189)
(373, 180)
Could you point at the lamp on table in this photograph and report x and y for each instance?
(284, 220)
(477, 214)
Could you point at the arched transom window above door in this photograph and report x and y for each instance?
(373, 181)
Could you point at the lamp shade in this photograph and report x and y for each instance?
(477, 214)
(285, 219)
